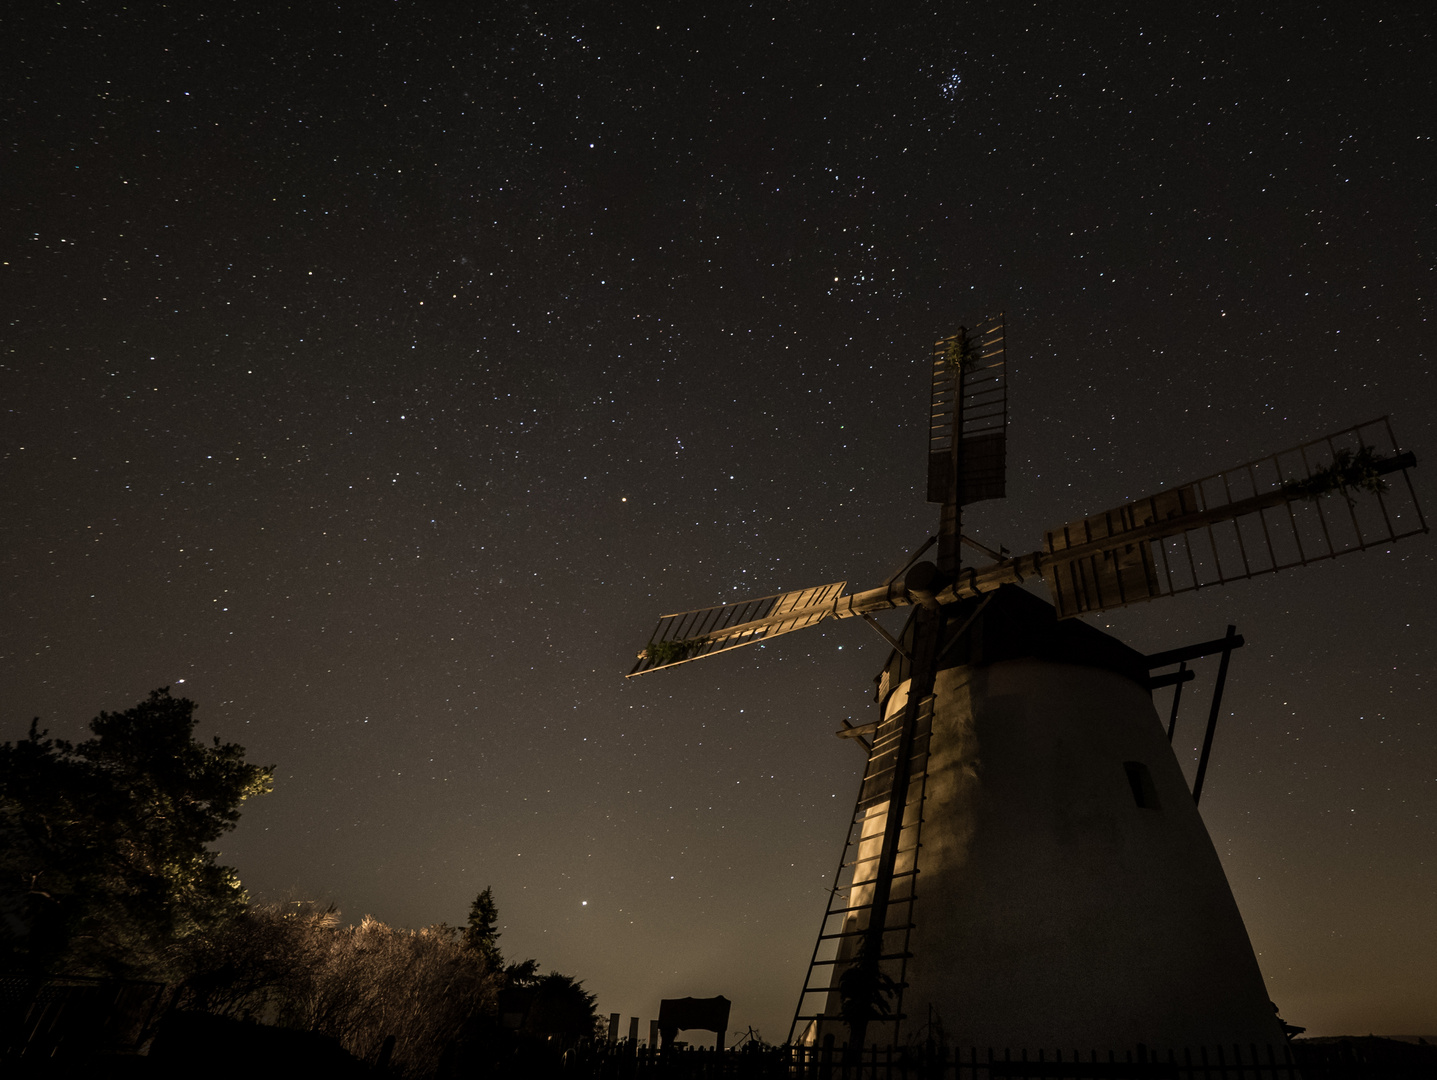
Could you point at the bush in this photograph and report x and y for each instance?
(293, 965)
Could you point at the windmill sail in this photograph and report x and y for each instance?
(691, 635)
(1324, 498)
(980, 359)
(1319, 500)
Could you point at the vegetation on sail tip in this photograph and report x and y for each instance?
(1349, 471)
(960, 352)
(659, 653)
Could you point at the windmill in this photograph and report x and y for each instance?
(1025, 865)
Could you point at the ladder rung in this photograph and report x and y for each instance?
(870, 881)
(882, 774)
(857, 821)
(849, 960)
(829, 989)
(857, 933)
(868, 907)
(893, 905)
(871, 858)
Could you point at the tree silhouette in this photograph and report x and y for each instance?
(562, 1008)
(103, 843)
(481, 935)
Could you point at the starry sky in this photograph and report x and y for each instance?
(374, 374)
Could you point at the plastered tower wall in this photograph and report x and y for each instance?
(1054, 909)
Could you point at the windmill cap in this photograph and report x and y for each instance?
(1014, 624)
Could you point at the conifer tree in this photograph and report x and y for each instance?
(482, 934)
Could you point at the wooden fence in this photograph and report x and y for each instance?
(60, 1016)
(1348, 1059)
(72, 1017)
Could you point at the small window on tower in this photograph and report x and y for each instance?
(1141, 781)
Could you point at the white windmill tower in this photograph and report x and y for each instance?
(1048, 881)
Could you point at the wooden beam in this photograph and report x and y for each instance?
(1192, 652)
(1156, 681)
(848, 731)
(897, 646)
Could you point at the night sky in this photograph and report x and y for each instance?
(376, 374)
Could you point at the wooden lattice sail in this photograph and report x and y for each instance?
(1332, 496)
(979, 360)
(692, 635)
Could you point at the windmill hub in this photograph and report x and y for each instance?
(923, 582)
